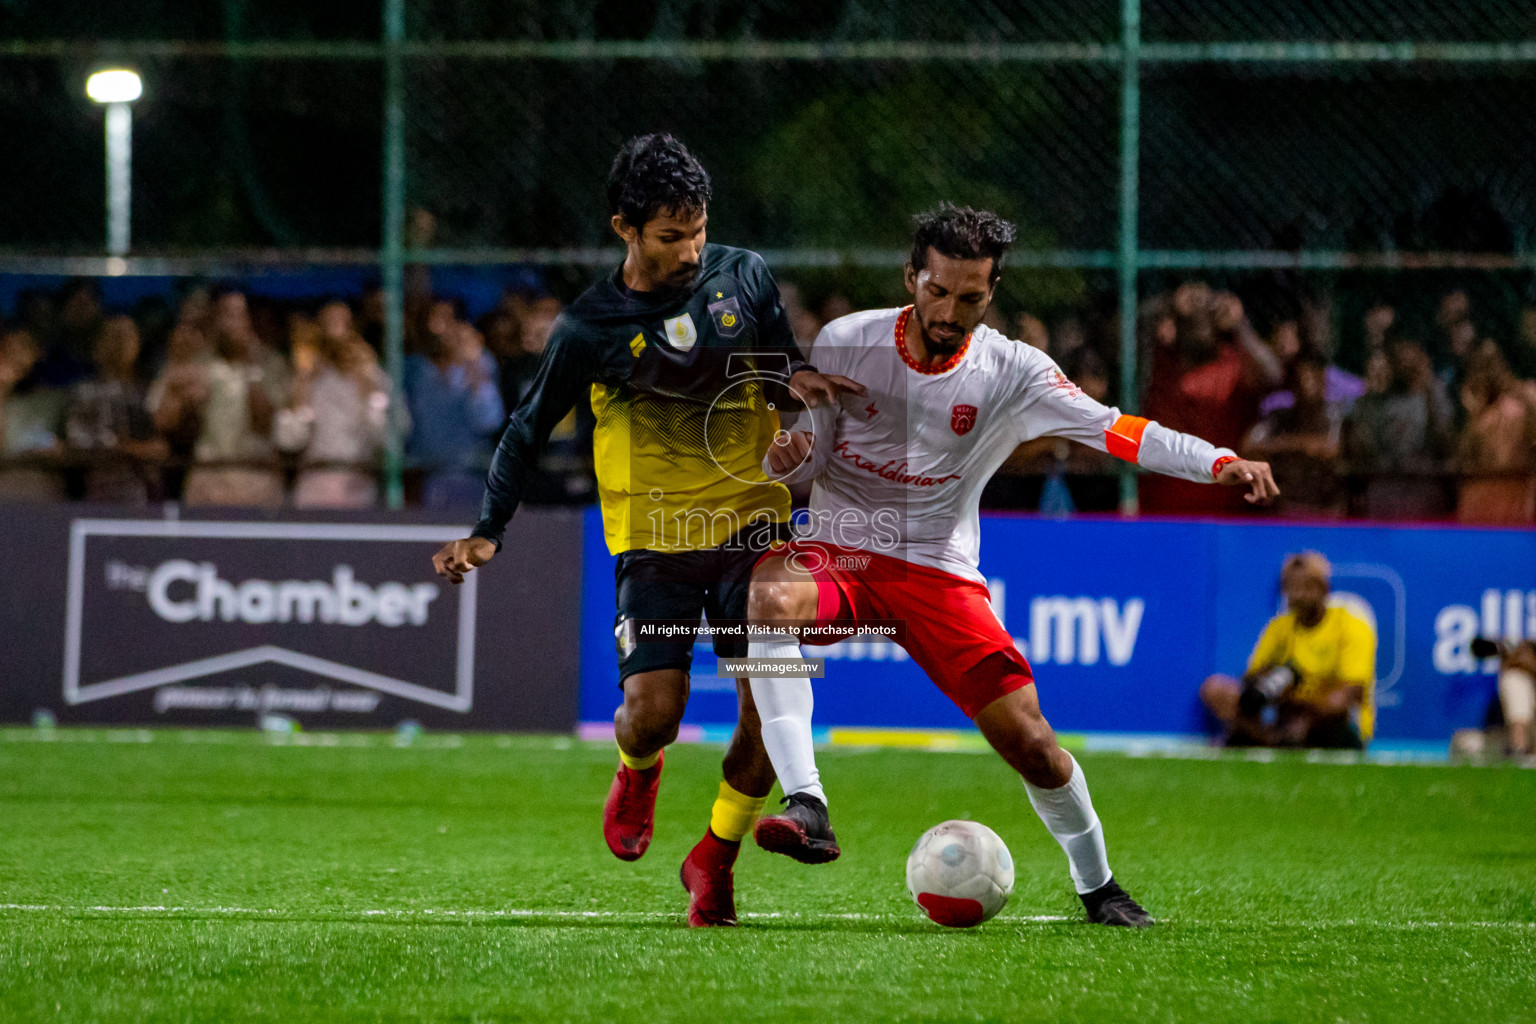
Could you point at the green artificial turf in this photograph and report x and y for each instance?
(216, 876)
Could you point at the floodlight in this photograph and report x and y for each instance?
(117, 85)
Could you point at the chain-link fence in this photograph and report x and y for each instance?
(1308, 156)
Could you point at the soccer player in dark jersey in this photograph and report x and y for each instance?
(685, 352)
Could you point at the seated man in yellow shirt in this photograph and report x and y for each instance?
(1311, 677)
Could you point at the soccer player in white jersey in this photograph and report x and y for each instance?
(893, 537)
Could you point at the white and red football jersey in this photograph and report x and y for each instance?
(901, 469)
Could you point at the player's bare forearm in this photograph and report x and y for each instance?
(814, 388)
(1255, 476)
(789, 451)
(458, 557)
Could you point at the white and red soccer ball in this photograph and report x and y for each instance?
(960, 873)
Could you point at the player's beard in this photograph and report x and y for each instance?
(683, 277)
(940, 346)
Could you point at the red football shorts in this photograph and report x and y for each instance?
(945, 622)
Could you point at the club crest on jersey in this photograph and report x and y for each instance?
(962, 418)
(727, 317)
(681, 334)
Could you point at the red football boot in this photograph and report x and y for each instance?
(711, 887)
(630, 810)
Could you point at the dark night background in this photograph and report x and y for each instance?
(511, 152)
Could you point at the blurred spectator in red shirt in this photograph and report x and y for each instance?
(1209, 371)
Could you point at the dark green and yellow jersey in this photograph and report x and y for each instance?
(684, 387)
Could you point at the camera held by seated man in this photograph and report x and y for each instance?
(1311, 678)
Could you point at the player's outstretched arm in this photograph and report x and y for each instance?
(565, 372)
(458, 557)
(1255, 476)
(1053, 405)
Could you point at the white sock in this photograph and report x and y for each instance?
(784, 705)
(1068, 813)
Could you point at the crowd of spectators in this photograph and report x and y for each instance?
(232, 399)
(1422, 421)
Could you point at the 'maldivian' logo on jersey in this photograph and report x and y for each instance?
(892, 470)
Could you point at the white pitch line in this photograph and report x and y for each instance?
(656, 915)
(438, 741)
(511, 912)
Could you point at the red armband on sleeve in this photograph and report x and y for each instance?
(1123, 438)
(1221, 464)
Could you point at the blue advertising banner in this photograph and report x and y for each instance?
(1122, 620)
(1431, 592)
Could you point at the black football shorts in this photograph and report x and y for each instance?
(677, 587)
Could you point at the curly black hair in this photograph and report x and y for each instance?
(962, 233)
(653, 173)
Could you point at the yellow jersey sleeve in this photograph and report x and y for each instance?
(1272, 646)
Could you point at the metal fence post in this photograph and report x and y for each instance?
(391, 258)
(1130, 154)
